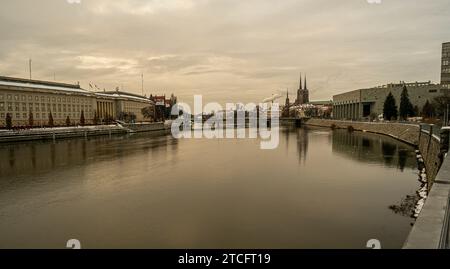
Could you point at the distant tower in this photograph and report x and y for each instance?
(287, 98)
(445, 69)
(305, 93)
(302, 93)
(299, 92)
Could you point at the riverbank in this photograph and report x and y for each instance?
(431, 230)
(407, 133)
(8, 136)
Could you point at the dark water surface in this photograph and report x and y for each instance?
(318, 189)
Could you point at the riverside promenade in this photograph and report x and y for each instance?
(8, 136)
(431, 229)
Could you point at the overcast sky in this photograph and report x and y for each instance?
(227, 50)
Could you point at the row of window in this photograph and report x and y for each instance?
(446, 70)
(445, 62)
(43, 116)
(17, 97)
(43, 107)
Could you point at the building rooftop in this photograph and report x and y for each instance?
(318, 103)
(120, 94)
(40, 84)
(401, 83)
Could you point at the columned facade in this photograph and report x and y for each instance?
(105, 109)
(348, 111)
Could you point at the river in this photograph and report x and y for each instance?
(319, 189)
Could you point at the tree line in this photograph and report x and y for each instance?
(50, 121)
(436, 108)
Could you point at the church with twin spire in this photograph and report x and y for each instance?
(302, 93)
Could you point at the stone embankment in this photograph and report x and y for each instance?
(404, 132)
(8, 136)
(58, 133)
(431, 230)
(146, 127)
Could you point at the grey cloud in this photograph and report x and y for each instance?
(224, 48)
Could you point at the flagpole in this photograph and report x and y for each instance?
(29, 63)
(142, 84)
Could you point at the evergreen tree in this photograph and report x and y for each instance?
(50, 120)
(96, 120)
(406, 108)
(390, 108)
(82, 120)
(68, 121)
(440, 104)
(428, 110)
(30, 119)
(8, 121)
(416, 111)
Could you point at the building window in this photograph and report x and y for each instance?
(16, 98)
(24, 115)
(17, 106)
(1, 97)
(432, 91)
(9, 106)
(17, 115)
(36, 98)
(54, 108)
(37, 107)
(59, 107)
(9, 97)
(24, 98)
(2, 106)
(30, 98)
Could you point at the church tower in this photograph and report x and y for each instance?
(302, 93)
(299, 92)
(287, 99)
(305, 93)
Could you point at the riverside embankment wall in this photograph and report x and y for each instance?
(7, 136)
(428, 145)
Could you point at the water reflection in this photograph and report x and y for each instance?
(39, 157)
(372, 148)
(300, 140)
(319, 189)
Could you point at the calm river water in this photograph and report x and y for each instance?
(318, 189)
